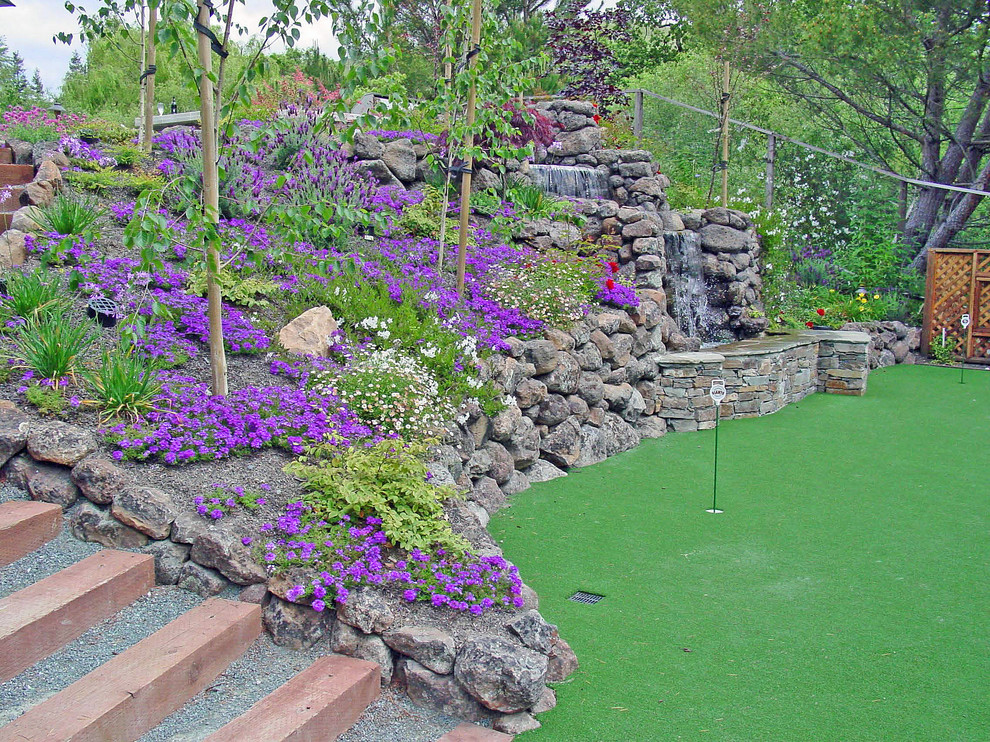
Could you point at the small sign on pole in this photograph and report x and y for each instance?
(717, 393)
(964, 321)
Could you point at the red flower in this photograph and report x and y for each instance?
(821, 312)
(613, 266)
(596, 118)
(809, 323)
(610, 284)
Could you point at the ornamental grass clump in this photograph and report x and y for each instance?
(125, 384)
(52, 346)
(327, 559)
(67, 215)
(36, 293)
(386, 480)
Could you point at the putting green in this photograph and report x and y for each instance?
(843, 595)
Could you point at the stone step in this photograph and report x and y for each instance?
(25, 526)
(36, 621)
(134, 691)
(317, 705)
(468, 732)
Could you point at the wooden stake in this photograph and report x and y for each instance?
(725, 135)
(143, 95)
(468, 143)
(149, 81)
(211, 207)
(771, 156)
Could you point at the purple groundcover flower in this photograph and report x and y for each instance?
(346, 554)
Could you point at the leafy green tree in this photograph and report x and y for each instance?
(907, 82)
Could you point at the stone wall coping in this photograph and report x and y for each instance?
(839, 336)
(766, 345)
(689, 359)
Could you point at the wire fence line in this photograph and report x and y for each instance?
(774, 137)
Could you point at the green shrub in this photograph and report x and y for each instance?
(101, 130)
(245, 291)
(101, 181)
(387, 480)
(943, 353)
(555, 290)
(69, 215)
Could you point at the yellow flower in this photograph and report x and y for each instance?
(876, 296)
(862, 309)
(831, 291)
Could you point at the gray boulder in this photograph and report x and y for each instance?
(366, 610)
(349, 641)
(61, 443)
(147, 509)
(533, 631)
(501, 675)
(400, 157)
(98, 479)
(442, 692)
(91, 523)
(292, 625)
(430, 647)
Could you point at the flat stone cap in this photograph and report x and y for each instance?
(689, 359)
(839, 336)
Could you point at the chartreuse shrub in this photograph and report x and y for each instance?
(387, 480)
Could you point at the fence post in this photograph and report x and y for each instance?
(771, 156)
(638, 114)
(902, 208)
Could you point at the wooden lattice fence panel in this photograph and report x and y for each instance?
(959, 283)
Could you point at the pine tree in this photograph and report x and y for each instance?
(37, 86)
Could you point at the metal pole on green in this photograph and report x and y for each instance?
(964, 321)
(717, 393)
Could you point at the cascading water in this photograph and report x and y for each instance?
(576, 182)
(687, 279)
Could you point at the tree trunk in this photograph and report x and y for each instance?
(211, 209)
(149, 81)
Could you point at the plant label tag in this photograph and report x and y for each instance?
(718, 390)
(965, 321)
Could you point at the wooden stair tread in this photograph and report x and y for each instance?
(26, 525)
(133, 692)
(36, 621)
(468, 732)
(317, 705)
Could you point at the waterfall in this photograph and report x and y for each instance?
(576, 182)
(690, 294)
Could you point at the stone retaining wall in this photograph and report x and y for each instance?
(890, 342)
(761, 376)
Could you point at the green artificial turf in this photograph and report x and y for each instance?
(843, 595)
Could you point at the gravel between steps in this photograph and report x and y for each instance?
(264, 668)
(261, 670)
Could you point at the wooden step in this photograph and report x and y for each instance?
(16, 175)
(37, 620)
(26, 525)
(6, 156)
(134, 691)
(468, 732)
(317, 705)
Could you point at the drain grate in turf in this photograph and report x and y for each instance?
(587, 598)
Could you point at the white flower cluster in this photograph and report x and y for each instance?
(393, 393)
(380, 327)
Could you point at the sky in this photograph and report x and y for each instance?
(28, 28)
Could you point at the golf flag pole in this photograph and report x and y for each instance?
(964, 321)
(717, 393)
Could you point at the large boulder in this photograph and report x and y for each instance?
(89, 522)
(580, 142)
(294, 626)
(400, 158)
(719, 238)
(427, 688)
(224, 552)
(501, 675)
(366, 610)
(309, 333)
(99, 480)
(430, 647)
(61, 443)
(13, 249)
(14, 426)
(148, 509)
(347, 640)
